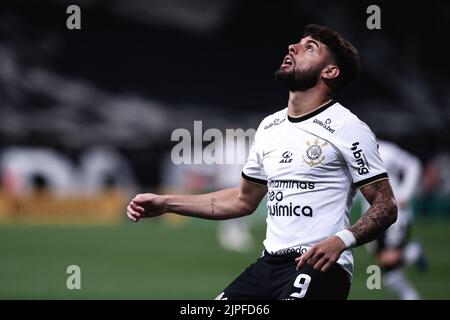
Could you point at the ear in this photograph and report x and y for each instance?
(331, 71)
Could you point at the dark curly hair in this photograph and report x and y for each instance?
(343, 53)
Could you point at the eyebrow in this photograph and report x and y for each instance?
(313, 41)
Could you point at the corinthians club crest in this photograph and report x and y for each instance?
(313, 154)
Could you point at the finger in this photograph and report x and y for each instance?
(320, 263)
(327, 266)
(137, 208)
(131, 217)
(315, 258)
(133, 212)
(304, 258)
(138, 202)
(140, 198)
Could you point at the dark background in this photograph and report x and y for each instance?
(137, 70)
(107, 97)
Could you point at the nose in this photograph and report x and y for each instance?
(293, 48)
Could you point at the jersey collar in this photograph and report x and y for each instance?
(311, 114)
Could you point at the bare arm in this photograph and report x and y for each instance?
(220, 205)
(381, 214)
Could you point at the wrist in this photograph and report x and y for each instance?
(347, 238)
(166, 203)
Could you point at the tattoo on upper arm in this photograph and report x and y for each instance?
(380, 215)
(378, 188)
(213, 202)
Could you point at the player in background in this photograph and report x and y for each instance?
(309, 158)
(392, 248)
(234, 234)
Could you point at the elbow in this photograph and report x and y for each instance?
(393, 209)
(245, 206)
(247, 209)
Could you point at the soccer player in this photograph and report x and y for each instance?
(309, 158)
(233, 234)
(393, 248)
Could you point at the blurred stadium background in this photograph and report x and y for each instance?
(86, 118)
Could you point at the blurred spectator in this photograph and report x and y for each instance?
(23, 167)
(44, 185)
(435, 196)
(104, 168)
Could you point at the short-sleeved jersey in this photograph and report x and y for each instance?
(404, 171)
(312, 166)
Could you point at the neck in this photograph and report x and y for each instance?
(303, 102)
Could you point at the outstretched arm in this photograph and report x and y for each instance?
(220, 205)
(381, 214)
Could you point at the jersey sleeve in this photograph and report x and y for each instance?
(359, 148)
(253, 169)
(407, 164)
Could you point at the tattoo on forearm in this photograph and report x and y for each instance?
(213, 202)
(380, 215)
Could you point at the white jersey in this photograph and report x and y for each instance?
(404, 171)
(312, 166)
(403, 168)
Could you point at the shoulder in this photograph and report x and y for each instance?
(347, 123)
(273, 119)
(344, 116)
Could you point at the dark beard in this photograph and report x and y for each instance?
(301, 80)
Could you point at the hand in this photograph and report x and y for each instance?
(322, 255)
(146, 205)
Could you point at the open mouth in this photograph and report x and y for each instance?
(288, 61)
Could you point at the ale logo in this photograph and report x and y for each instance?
(287, 157)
